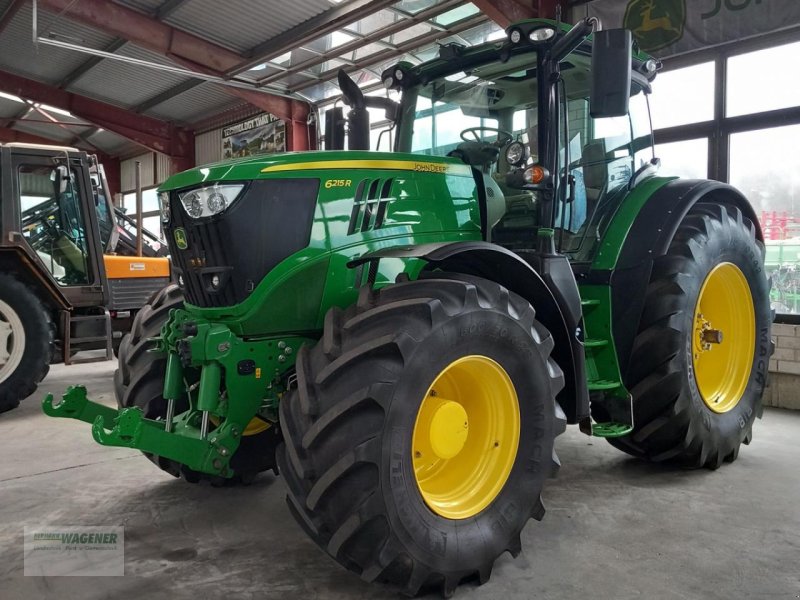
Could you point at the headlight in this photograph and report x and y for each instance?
(515, 154)
(209, 201)
(515, 36)
(542, 34)
(163, 201)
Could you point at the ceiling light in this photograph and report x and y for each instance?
(10, 97)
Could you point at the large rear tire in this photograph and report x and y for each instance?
(700, 358)
(421, 431)
(26, 342)
(139, 381)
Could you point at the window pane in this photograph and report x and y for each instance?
(149, 201)
(757, 81)
(766, 169)
(457, 14)
(687, 159)
(53, 222)
(153, 225)
(683, 96)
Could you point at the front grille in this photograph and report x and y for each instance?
(134, 292)
(270, 221)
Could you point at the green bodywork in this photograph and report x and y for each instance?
(433, 199)
(296, 294)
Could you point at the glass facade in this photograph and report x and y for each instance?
(731, 114)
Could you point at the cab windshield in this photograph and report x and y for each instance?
(489, 118)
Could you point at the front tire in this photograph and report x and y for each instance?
(359, 427)
(700, 358)
(26, 342)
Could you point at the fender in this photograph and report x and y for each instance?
(649, 235)
(503, 266)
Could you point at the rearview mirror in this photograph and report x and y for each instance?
(62, 178)
(611, 73)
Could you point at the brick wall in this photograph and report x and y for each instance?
(784, 368)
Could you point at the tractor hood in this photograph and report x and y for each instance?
(290, 163)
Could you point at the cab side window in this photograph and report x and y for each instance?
(52, 221)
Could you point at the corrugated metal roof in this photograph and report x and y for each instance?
(126, 84)
(240, 26)
(51, 132)
(113, 144)
(195, 104)
(49, 64)
(243, 24)
(145, 6)
(9, 108)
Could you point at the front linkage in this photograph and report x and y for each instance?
(227, 381)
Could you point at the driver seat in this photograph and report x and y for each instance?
(477, 155)
(595, 173)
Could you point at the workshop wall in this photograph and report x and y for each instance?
(784, 368)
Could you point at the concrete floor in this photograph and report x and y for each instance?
(615, 527)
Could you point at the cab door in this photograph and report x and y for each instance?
(59, 231)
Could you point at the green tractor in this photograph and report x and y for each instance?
(403, 335)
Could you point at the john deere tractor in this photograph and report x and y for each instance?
(403, 335)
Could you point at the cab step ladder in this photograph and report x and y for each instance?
(69, 340)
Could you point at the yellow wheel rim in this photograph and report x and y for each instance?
(465, 437)
(723, 337)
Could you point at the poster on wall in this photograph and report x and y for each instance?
(669, 27)
(264, 134)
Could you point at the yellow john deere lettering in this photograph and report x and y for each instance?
(396, 165)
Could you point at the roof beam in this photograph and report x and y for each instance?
(89, 64)
(9, 13)
(151, 133)
(505, 12)
(162, 12)
(331, 20)
(186, 49)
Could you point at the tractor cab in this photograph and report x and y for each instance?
(490, 110)
(488, 117)
(53, 212)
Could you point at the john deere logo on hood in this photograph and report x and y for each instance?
(180, 238)
(655, 24)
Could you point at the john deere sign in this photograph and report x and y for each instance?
(668, 27)
(656, 24)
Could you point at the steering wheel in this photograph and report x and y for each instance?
(501, 141)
